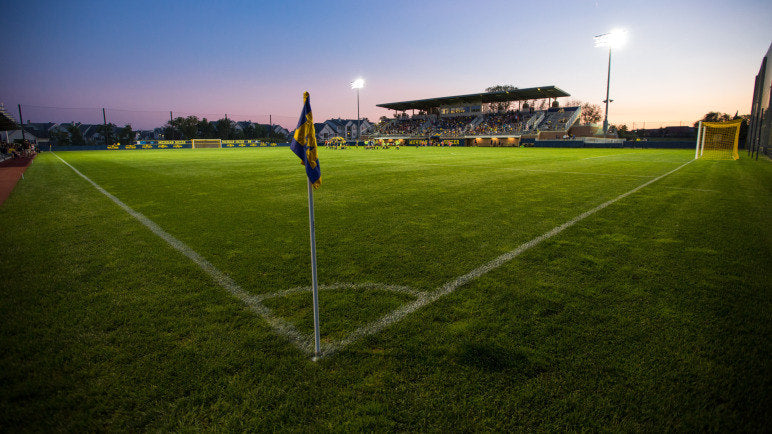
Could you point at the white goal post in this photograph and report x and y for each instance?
(206, 143)
(718, 140)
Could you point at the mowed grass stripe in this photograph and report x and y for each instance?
(247, 208)
(302, 340)
(281, 326)
(449, 287)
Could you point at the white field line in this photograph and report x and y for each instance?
(279, 325)
(449, 287)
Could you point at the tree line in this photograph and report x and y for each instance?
(180, 128)
(191, 127)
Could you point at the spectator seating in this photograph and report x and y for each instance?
(451, 126)
(559, 119)
(400, 127)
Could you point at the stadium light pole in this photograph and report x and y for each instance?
(613, 39)
(358, 84)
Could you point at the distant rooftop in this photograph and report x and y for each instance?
(477, 98)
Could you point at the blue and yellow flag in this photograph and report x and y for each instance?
(303, 143)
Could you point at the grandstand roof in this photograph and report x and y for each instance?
(472, 98)
(7, 123)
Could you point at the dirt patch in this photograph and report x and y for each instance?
(10, 173)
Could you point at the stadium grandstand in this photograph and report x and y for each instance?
(481, 119)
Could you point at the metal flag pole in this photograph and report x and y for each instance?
(314, 282)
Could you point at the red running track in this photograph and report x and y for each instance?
(10, 173)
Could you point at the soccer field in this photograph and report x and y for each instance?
(461, 288)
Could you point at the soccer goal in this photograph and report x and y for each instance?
(207, 143)
(718, 140)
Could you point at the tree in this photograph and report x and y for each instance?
(76, 136)
(224, 128)
(60, 138)
(573, 103)
(503, 105)
(714, 117)
(206, 129)
(188, 127)
(181, 128)
(624, 133)
(126, 135)
(590, 113)
(724, 117)
(107, 131)
(249, 131)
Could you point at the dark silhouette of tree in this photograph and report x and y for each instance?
(503, 105)
(206, 129)
(188, 127)
(107, 131)
(573, 103)
(60, 138)
(714, 117)
(126, 135)
(591, 113)
(76, 136)
(224, 129)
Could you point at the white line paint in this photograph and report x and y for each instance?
(449, 287)
(279, 325)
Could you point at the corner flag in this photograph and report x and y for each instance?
(303, 143)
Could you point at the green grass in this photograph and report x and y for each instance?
(652, 314)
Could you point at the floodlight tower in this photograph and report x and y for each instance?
(613, 39)
(358, 84)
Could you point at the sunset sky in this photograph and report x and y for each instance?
(141, 59)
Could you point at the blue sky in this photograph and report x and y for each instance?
(251, 59)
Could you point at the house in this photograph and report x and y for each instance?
(352, 125)
(347, 128)
(324, 131)
(14, 135)
(41, 130)
(278, 129)
(339, 127)
(147, 135)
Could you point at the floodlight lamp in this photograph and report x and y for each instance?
(613, 39)
(358, 83)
